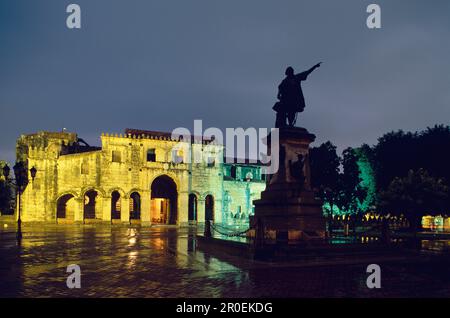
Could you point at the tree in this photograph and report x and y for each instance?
(434, 151)
(5, 197)
(367, 175)
(398, 152)
(394, 155)
(6, 193)
(325, 163)
(414, 196)
(352, 192)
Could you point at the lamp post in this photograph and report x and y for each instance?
(21, 181)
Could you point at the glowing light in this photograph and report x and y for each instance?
(132, 259)
(132, 241)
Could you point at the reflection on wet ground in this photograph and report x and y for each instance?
(164, 262)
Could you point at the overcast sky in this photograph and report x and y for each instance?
(159, 65)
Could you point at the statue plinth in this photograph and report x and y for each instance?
(288, 209)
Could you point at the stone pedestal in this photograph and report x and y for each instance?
(288, 209)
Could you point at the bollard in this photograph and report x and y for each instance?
(207, 229)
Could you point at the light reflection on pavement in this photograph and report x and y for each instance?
(165, 262)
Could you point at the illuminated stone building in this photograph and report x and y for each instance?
(135, 177)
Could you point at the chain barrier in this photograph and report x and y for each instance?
(223, 230)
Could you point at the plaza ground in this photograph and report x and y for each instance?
(166, 262)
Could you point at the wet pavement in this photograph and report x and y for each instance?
(165, 262)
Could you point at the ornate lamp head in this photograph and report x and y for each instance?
(33, 172)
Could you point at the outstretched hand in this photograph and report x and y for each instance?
(318, 65)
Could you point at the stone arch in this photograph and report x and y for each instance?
(209, 207)
(74, 193)
(116, 205)
(135, 205)
(134, 190)
(164, 200)
(91, 204)
(205, 194)
(120, 190)
(172, 176)
(65, 207)
(198, 194)
(192, 207)
(99, 190)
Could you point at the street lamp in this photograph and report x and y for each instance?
(33, 172)
(21, 181)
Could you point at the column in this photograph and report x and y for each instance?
(99, 207)
(201, 211)
(145, 208)
(125, 210)
(183, 208)
(78, 210)
(106, 208)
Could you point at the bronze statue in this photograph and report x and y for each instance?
(290, 96)
(296, 169)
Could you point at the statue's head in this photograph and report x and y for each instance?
(289, 71)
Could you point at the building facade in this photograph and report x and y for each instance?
(143, 177)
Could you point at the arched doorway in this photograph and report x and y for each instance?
(90, 200)
(115, 205)
(209, 208)
(192, 209)
(135, 206)
(65, 208)
(164, 198)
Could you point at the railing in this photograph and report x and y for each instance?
(222, 230)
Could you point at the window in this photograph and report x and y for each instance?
(116, 156)
(85, 167)
(151, 155)
(233, 172)
(210, 156)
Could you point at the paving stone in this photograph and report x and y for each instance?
(162, 262)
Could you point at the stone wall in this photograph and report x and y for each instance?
(69, 180)
(238, 199)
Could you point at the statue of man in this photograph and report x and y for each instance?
(296, 169)
(290, 96)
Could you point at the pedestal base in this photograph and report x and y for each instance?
(288, 209)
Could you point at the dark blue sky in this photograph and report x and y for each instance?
(160, 64)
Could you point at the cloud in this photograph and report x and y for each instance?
(161, 64)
